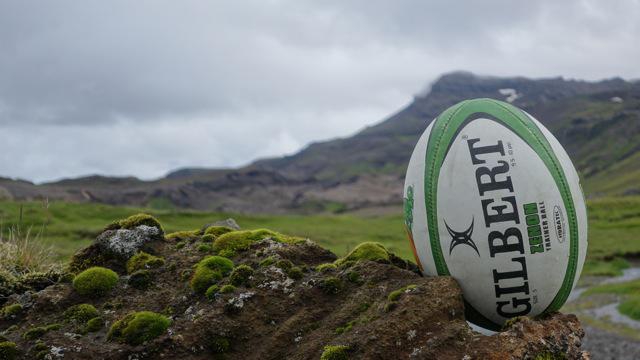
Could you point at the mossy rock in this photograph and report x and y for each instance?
(81, 313)
(210, 270)
(95, 281)
(366, 251)
(134, 221)
(335, 352)
(8, 350)
(234, 241)
(189, 235)
(10, 310)
(142, 260)
(139, 327)
(240, 275)
(216, 231)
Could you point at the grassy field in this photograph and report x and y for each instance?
(614, 227)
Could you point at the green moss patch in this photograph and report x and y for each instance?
(95, 281)
(189, 235)
(268, 261)
(134, 221)
(331, 285)
(211, 292)
(227, 289)
(216, 231)
(335, 352)
(142, 260)
(209, 271)
(240, 275)
(327, 267)
(39, 331)
(141, 279)
(366, 251)
(10, 310)
(139, 327)
(228, 244)
(81, 313)
(8, 350)
(395, 295)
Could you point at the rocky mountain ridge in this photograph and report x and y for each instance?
(597, 122)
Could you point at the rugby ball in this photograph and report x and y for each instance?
(493, 200)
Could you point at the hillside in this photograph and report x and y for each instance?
(597, 122)
(138, 293)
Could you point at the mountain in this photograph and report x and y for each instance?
(597, 122)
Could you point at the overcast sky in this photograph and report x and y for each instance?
(144, 87)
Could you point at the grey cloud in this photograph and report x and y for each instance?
(296, 71)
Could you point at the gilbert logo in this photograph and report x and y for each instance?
(464, 237)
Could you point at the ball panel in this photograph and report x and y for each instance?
(414, 211)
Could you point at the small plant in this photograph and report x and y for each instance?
(219, 345)
(227, 289)
(142, 260)
(331, 285)
(335, 352)
(240, 275)
(95, 281)
(24, 251)
(346, 327)
(139, 327)
(8, 350)
(180, 245)
(208, 271)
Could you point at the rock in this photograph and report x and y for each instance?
(375, 309)
(125, 243)
(230, 223)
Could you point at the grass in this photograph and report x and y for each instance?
(623, 288)
(614, 227)
(605, 268)
(631, 307)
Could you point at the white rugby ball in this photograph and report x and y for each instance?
(493, 200)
